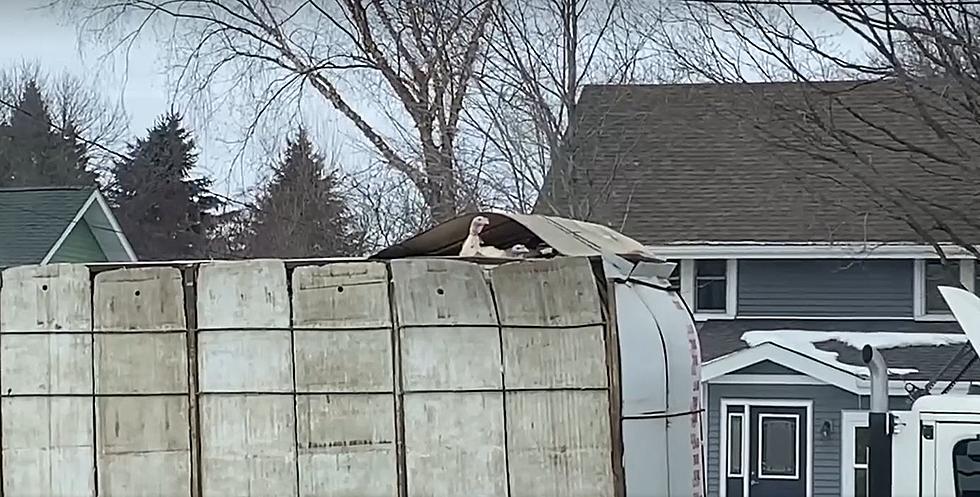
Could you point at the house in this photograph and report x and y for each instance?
(789, 267)
(43, 225)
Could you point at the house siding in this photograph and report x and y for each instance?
(80, 246)
(766, 367)
(825, 288)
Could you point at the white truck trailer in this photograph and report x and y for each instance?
(402, 375)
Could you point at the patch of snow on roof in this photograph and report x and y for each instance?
(804, 342)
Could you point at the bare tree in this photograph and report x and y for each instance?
(75, 105)
(541, 56)
(422, 52)
(889, 125)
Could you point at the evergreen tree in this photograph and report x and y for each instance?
(164, 212)
(300, 213)
(33, 153)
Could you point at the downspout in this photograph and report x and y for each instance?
(879, 424)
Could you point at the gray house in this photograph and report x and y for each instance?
(787, 270)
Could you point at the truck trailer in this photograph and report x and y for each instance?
(413, 372)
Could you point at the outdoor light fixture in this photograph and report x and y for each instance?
(826, 429)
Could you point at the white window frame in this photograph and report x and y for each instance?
(967, 268)
(728, 446)
(688, 289)
(849, 421)
(796, 463)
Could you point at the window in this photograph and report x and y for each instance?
(675, 277)
(966, 467)
(938, 274)
(779, 446)
(711, 286)
(860, 464)
(976, 278)
(930, 274)
(735, 445)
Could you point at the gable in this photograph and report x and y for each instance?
(766, 367)
(79, 246)
(32, 220)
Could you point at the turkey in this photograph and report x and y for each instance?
(473, 245)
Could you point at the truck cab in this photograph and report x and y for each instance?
(941, 437)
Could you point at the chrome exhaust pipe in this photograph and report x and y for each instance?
(879, 426)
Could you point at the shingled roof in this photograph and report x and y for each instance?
(33, 220)
(754, 162)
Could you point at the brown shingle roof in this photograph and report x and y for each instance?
(756, 162)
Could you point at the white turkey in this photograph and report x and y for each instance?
(473, 245)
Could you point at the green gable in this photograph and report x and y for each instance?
(79, 246)
(33, 220)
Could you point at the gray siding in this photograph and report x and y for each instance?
(831, 288)
(828, 402)
(765, 367)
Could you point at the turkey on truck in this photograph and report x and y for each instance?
(563, 365)
(933, 450)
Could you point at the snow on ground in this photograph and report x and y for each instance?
(804, 342)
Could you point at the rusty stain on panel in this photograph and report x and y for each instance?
(55, 297)
(343, 360)
(341, 295)
(346, 445)
(139, 299)
(245, 361)
(140, 363)
(554, 358)
(46, 364)
(457, 358)
(454, 444)
(48, 447)
(243, 294)
(143, 447)
(247, 446)
(552, 292)
(559, 444)
(441, 292)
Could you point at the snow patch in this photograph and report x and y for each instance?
(804, 342)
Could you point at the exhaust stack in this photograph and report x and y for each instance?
(879, 424)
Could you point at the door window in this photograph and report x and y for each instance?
(779, 446)
(966, 467)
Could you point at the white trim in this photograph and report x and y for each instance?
(767, 379)
(71, 227)
(731, 288)
(687, 282)
(114, 224)
(832, 318)
(95, 198)
(796, 463)
(784, 357)
(840, 250)
(848, 422)
(746, 405)
(728, 449)
(966, 268)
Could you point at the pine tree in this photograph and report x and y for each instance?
(299, 212)
(165, 213)
(33, 153)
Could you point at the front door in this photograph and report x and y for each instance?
(778, 451)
